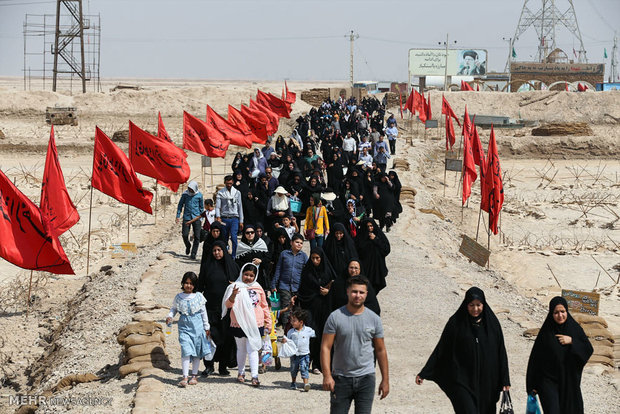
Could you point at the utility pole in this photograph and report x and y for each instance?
(352, 36)
(509, 60)
(445, 78)
(614, 60)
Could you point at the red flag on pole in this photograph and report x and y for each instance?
(465, 86)
(114, 175)
(421, 106)
(274, 119)
(493, 188)
(275, 104)
(466, 122)
(447, 110)
(469, 167)
(26, 239)
(450, 135)
(257, 121)
(161, 130)
(163, 134)
(157, 158)
(409, 104)
(56, 205)
(200, 137)
(477, 149)
(290, 97)
(429, 113)
(230, 131)
(236, 119)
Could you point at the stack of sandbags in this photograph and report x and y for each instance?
(401, 164)
(600, 337)
(315, 96)
(567, 128)
(144, 347)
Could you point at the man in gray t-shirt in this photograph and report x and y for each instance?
(353, 331)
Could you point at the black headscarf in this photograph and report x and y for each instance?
(470, 355)
(208, 243)
(373, 253)
(561, 364)
(215, 276)
(339, 290)
(339, 252)
(247, 251)
(396, 189)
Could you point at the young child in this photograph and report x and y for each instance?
(249, 318)
(193, 326)
(208, 214)
(290, 226)
(300, 334)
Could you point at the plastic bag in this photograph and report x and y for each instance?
(533, 407)
(287, 349)
(266, 352)
(506, 405)
(210, 349)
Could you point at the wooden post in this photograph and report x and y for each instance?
(489, 243)
(445, 174)
(29, 290)
(90, 214)
(127, 223)
(478, 228)
(156, 196)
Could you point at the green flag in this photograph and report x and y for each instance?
(605, 53)
(514, 53)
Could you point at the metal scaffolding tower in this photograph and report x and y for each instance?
(545, 20)
(69, 49)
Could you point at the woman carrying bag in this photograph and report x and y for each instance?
(316, 225)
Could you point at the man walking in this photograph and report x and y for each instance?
(353, 331)
(229, 210)
(192, 205)
(288, 273)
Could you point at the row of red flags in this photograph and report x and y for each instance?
(491, 186)
(417, 103)
(29, 234)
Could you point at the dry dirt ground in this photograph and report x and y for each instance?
(561, 210)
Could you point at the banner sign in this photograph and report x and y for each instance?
(461, 62)
(582, 302)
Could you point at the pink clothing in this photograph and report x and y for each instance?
(261, 309)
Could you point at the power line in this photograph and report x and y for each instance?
(24, 4)
(215, 39)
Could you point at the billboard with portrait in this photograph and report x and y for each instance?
(432, 62)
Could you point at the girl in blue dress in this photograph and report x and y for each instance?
(193, 326)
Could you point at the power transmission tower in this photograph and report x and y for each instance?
(545, 21)
(63, 42)
(352, 36)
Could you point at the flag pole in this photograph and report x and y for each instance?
(29, 291)
(478, 228)
(156, 191)
(90, 214)
(489, 240)
(128, 213)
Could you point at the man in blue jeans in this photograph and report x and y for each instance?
(229, 210)
(353, 331)
(192, 205)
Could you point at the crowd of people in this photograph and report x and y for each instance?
(328, 185)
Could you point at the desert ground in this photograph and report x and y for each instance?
(561, 215)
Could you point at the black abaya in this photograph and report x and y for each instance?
(372, 253)
(554, 370)
(470, 363)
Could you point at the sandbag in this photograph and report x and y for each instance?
(605, 351)
(599, 359)
(584, 318)
(149, 357)
(131, 368)
(144, 349)
(141, 327)
(137, 339)
(598, 333)
(71, 380)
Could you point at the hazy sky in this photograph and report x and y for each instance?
(299, 39)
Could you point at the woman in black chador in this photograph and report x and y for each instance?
(217, 271)
(559, 354)
(373, 247)
(469, 363)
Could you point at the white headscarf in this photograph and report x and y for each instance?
(279, 202)
(243, 309)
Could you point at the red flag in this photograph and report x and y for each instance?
(26, 239)
(420, 106)
(447, 110)
(566, 86)
(465, 86)
(114, 175)
(257, 121)
(274, 119)
(161, 130)
(477, 87)
(469, 167)
(466, 122)
(277, 105)
(400, 100)
(230, 131)
(409, 103)
(493, 188)
(56, 205)
(477, 149)
(157, 158)
(290, 97)
(417, 102)
(236, 119)
(450, 135)
(200, 137)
